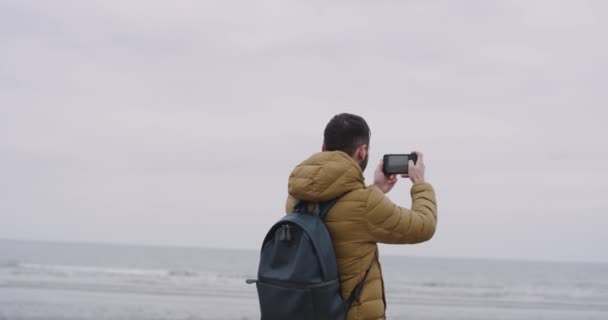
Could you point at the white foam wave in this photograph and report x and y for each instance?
(8, 264)
(132, 274)
(69, 270)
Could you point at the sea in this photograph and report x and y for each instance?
(69, 281)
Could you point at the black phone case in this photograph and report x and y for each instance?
(385, 168)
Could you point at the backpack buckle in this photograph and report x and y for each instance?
(285, 233)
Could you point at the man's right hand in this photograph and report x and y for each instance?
(415, 171)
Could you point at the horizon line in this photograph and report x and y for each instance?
(175, 246)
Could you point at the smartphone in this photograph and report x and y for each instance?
(397, 163)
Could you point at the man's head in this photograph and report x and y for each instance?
(348, 133)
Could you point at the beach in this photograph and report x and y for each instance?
(43, 280)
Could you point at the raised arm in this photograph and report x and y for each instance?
(389, 223)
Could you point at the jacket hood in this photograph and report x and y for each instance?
(325, 176)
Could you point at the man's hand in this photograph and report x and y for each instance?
(415, 171)
(383, 182)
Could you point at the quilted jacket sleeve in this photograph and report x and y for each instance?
(389, 223)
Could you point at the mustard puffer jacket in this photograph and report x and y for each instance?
(361, 218)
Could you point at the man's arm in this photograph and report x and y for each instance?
(389, 223)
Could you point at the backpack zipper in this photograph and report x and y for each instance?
(291, 284)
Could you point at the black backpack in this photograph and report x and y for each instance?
(298, 273)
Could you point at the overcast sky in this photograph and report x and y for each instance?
(178, 122)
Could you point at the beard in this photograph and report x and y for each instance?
(363, 163)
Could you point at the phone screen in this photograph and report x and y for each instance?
(398, 160)
(397, 163)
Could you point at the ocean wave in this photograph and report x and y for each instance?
(438, 284)
(182, 273)
(72, 270)
(529, 292)
(171, 281)
(456, 285)
(9, 264)
(132, 274)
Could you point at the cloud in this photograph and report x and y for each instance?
(157, 122)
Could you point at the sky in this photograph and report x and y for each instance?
(178, 122)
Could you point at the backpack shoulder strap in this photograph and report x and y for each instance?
(357, 290)
(324, 208)
(321, 209)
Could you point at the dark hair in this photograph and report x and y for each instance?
(345, 132)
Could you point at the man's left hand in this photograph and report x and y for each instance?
(383, 182)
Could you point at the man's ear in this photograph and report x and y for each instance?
(361, 152)
(323, 148)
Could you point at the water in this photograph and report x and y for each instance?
(63, 281)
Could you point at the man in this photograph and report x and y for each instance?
(363, 216)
